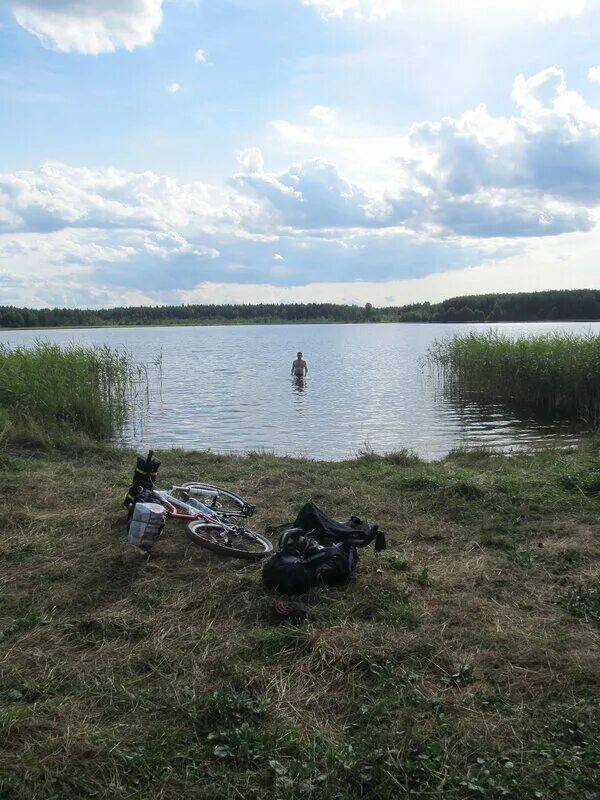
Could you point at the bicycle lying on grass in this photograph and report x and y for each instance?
(211, 513)
(208, 522)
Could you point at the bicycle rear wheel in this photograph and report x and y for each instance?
(221, 500)
(231, 541)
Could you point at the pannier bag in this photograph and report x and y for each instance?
(295, 570)
(317, 550)
(146, 524)
(144, 477)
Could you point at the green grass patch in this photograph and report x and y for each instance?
(583, 602)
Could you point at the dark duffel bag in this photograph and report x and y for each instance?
(326, 530)
(302, 563)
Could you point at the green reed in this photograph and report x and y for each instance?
(93, 390)
(556, 374)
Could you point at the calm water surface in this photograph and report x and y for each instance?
(229, 389)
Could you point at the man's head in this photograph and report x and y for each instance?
(299, 355)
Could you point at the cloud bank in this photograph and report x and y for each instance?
(461, 191)
(89, 27)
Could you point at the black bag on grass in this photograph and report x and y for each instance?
(316, 550)
(302, 563)
(326, 530)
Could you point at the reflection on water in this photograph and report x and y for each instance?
(299, 391)
(298, 388)
(212, 398)
(500, 428)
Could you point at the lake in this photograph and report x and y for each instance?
(228, 389)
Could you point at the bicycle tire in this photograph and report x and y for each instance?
(229, 504)
(212, 536)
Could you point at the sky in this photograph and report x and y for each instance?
(216, 151)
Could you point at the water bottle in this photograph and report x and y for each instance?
(198, 506)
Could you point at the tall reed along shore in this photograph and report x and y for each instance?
(50, 393)
(460, 662)
(556, 374)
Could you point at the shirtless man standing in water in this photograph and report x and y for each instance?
(299, 367)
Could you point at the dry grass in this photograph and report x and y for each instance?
(448, 669)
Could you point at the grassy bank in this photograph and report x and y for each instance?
(49, 392)
(558, 374)
(461, 663)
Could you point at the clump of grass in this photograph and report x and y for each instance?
(583, 602)
(556, 374)
(91, 390)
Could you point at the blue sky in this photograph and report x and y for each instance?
(166, 151)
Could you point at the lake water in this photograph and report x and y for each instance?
(229, 389)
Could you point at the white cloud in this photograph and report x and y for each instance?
(89, 26)
(200, 56)
(130, 229)
(534, 174)
(490, 11)
(57, 196)
(173, 88)
(594, 74)
(542, 91)
(359, 9)
(323, 114)
(311, 194)
(550, 152)
(294, 134)
(368, 157)
(251, 161)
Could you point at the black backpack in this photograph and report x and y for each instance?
(316, 550)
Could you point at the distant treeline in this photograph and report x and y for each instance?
(572, 304)
(579, 304)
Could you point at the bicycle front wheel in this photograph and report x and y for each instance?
(235, 542)
(220, 500)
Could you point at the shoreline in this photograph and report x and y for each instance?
(248, 323)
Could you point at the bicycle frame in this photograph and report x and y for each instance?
(179, 509)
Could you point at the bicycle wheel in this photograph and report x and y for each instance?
(232, 541)
(221, 500)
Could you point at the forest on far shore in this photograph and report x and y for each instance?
(575, 304)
